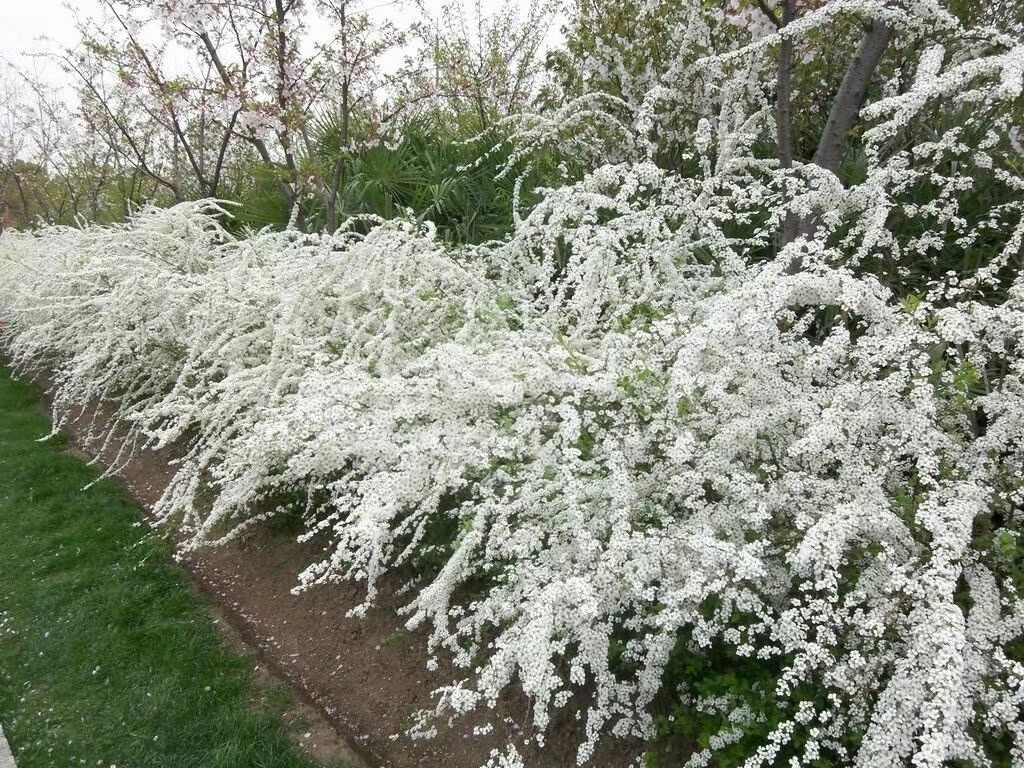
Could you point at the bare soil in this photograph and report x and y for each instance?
(358, 680)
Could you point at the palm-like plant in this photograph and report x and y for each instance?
(437, 170)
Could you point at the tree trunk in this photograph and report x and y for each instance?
(850, 98)
(845, 109)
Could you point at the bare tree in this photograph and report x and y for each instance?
(354, 54)
(477, 62)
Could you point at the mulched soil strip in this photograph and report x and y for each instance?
(366, 676)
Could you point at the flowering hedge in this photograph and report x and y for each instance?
(633, 459)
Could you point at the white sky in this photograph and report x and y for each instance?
(28, 26)
(24, 22)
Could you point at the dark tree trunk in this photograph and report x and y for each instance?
(845, 110)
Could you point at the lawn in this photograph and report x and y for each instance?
(107, 656)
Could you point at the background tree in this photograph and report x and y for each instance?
(474, 65)
(351, 116)
(15, 124)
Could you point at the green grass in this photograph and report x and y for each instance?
(107, 656)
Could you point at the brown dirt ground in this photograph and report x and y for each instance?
(358, 680)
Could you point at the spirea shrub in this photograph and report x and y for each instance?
(633, 459)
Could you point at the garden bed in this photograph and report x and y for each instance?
(366, 676)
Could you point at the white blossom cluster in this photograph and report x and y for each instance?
(624, 425)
